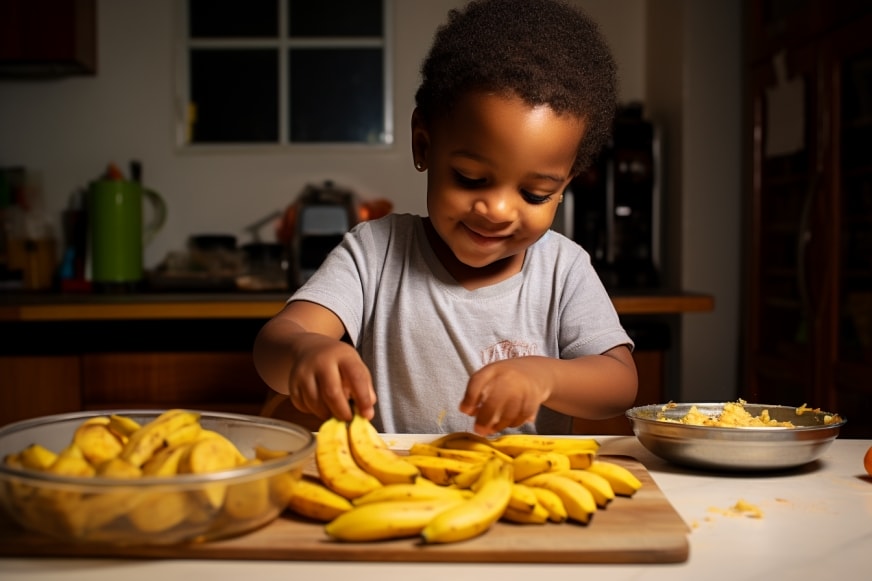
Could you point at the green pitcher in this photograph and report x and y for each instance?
(118, 232)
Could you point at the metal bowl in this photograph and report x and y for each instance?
(153, 510)
(735, 449)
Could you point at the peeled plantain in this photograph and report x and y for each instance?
(120, 448)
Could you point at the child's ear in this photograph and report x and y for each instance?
(420, 141)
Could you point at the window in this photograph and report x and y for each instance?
(285, 72)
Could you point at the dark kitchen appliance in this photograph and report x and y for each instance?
(615, 205)
(314, 224)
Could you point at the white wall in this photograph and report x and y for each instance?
(70, 129)
(694, 91)
(712, 198)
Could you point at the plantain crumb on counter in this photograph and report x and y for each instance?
(741, 508)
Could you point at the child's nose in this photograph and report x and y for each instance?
(497, 205)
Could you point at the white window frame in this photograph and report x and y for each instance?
(283, 43)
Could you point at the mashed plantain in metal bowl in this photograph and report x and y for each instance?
(735, 436)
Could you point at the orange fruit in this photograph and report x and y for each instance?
(867, 461)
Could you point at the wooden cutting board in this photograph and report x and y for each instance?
(642, 529)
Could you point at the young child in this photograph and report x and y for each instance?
(476, 317)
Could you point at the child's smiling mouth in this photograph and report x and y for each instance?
(485, 239)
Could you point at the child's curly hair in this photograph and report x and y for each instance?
(544, 51)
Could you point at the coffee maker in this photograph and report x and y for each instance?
(615, 211)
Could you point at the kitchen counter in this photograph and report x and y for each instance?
(82, 307)
(187, 349)
(816, 523)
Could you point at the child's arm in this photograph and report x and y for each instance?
(508, 393)
(300, 352)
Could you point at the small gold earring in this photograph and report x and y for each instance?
(561, 199)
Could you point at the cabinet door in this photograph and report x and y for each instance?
(848, 363)
(48, 37)
(207, 380)
(776, 25)
(786, 270)
(38, 385)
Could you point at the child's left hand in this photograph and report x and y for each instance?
(507, 393)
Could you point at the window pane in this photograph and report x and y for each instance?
(308, 18)
(336, 96)
(235, 95)
(233, 18)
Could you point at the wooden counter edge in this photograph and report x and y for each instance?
(263, 309)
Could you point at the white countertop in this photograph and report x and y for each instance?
(816, 524)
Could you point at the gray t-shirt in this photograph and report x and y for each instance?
(422, 334)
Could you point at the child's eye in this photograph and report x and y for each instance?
(467, 182)
(533, 198)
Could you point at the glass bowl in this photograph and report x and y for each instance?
(733, 448)
(153, 510)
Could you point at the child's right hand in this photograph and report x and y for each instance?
(325, 375)
(300, 352)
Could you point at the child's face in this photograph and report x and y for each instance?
(497, 168)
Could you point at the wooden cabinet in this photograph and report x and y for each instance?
(809, 307)
(775, 25)
(42, 385)
(38, 385)
(69, 353)
(41, 38)
(58, 367)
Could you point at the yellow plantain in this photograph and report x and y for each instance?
(61, 500)
(514, 444)
(184, 435)
(468, 477)
(336, 466)
(439, 470)
(92, 513)
(577, 499)
(207, 455)
(166, 461)
(71, 451)
(231, 448)
(123, 425)
(264, 453)
(210, 455)
(599, 487)
(160, 511)
(537, 516)
(476, 515)
(118, 468)
(97, 441)
(579, 459)
(311, 499)
(523, 498)
(387, 520)
(373, 455)
(142, 443)
(396, 492)
(469, 441)
(441, 441)
(622, 480)
(71, 465)
(472, 456)
(552, 503)
(532, 462)
(37, 457)
(249, 499)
